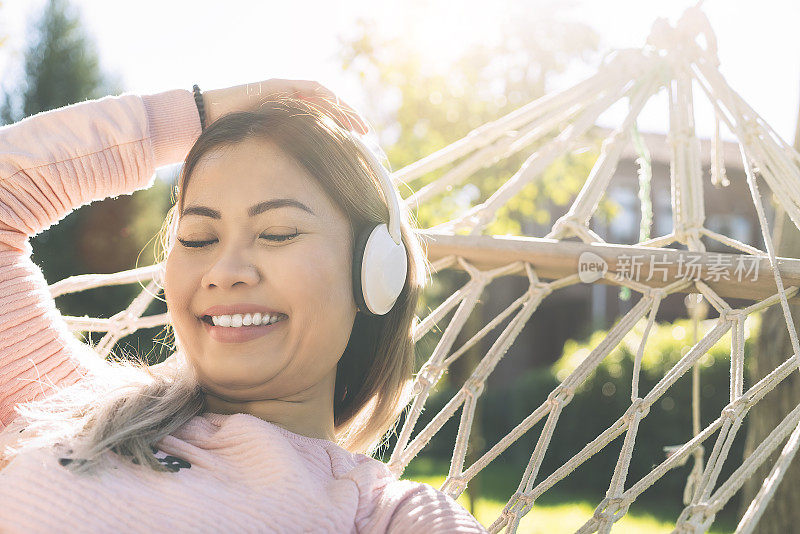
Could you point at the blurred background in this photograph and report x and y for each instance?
(424, 74)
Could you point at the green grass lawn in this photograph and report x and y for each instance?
(556, 512)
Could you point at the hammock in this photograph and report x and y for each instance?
(675, 59)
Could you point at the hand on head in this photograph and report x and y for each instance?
(249, 97)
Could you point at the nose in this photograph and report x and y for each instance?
(231, 267)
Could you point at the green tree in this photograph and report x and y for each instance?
(61, 67)
(433, 105)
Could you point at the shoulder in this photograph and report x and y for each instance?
(404, 506)
(412, 506)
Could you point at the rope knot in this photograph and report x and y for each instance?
(695, 518)
(481, 276)
(637, 407)
(427, 376)
(121, 324)
(602, 512)
(693, 232)
(657, 293)
(541, 288)
(455, 487)
(611, 509)
(560, 396)
(473, 387)
(735, 409)
(520, 502)
(688, 234)
(730, 315)
(511, 517)
(560, 227)
(696, 511)
(729, 413)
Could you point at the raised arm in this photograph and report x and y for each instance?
(50, 164)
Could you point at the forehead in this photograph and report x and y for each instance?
(232, 178)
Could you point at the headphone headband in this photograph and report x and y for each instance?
(389, 192)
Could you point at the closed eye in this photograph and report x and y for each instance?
(196, 244)
(275, 238)
(279, 238)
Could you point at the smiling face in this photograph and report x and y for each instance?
(258, 233)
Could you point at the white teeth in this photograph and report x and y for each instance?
(247, 319)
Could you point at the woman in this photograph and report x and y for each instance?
(259, 427)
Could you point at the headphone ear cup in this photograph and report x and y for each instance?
(382, 272)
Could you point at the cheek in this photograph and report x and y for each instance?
(178, 281)
(327, 277)
(171, 281)
(320, 287)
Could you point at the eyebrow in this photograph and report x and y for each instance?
(257, 209)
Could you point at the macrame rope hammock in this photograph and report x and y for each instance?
(677, 59)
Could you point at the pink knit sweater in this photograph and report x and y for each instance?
(229, 473)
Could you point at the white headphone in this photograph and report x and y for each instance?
(379, 256)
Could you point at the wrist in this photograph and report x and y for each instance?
(173, 125)
(201, 107)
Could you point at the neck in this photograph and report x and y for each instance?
(308, 413)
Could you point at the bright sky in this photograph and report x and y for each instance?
(154, 45)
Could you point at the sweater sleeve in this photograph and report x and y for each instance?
(423, 508)
(50, 164)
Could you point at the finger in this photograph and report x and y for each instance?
(361, 124)
(346, 115)
(332, 109)
(316, 89)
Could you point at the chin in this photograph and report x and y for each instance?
(231, 391)
(230, 382)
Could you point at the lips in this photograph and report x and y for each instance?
(242, 308)
(241, 334)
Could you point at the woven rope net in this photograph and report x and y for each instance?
(681, 60)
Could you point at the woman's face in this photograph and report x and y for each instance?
(258, 234)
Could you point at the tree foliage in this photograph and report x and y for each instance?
(422, 106)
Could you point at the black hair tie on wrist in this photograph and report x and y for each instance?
(201, 109)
